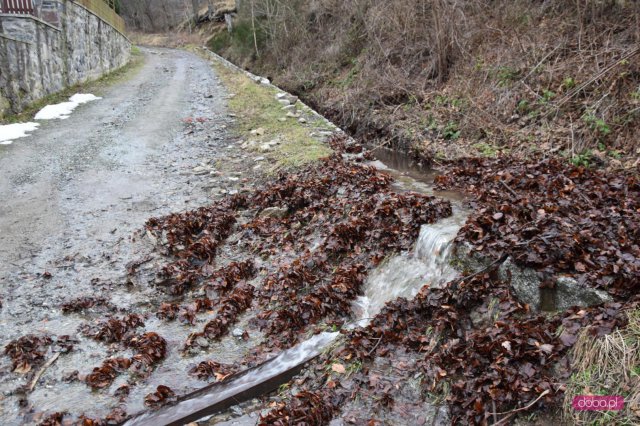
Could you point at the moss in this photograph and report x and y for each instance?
(4, 106)
(256, 107)
(96, 86)
(487, 150)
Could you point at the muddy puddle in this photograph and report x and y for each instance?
(412, 175)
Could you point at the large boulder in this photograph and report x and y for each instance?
(525, 282)
(565, 293)
(215, 10)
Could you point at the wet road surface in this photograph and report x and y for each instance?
(74, 194)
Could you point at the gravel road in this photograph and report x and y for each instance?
(73, 196)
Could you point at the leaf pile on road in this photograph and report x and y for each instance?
(103, 376)
(31, 350)
(311, 236)
(27, 351)
(237, 302)
(150, 349)
(113, 330)
(85, 303)
(193, 238)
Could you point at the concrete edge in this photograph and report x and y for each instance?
(261, 80)
(35, 18)
(6, 37)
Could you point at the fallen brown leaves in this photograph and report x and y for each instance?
(333, 222)
(556, 218)
(193, 237)
(113, 330)
(338, 219)
(312, 408)
(237, 302)
(506, 364)
(162, 396)
(54, 419)
(223, 280)
(495, 353)
(150, 349)
(27, 351)
(329, 301)
(208, 369)
(102, 377)
(81, 304)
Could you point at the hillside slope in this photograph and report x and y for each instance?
(449, 79)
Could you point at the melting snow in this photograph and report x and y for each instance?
(64, 109)
(10, 132)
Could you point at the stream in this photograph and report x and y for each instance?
(401, 275)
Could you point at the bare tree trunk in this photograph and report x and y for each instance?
(253, 26)
(196, 6)
(228, 19)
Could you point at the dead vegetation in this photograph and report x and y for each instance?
(175, 39)
(450, 78)
(554, 217)
(607, 365)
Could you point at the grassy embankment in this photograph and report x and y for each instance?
(260, 119)
(607, 365)
(454, 79)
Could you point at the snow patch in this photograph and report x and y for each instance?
(9, 132)
(63, 110)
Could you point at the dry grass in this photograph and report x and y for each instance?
(256, 107)
(607, 365)
(443, 75)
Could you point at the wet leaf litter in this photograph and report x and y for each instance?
(298, 273)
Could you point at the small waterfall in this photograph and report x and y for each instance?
(402, 275)
(405, 274)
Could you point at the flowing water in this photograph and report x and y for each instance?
(401, 275)
(405, 274)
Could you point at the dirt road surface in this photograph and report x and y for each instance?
(74, 194)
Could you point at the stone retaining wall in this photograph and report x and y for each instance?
(38, 58)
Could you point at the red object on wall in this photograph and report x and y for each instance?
(22, 7)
